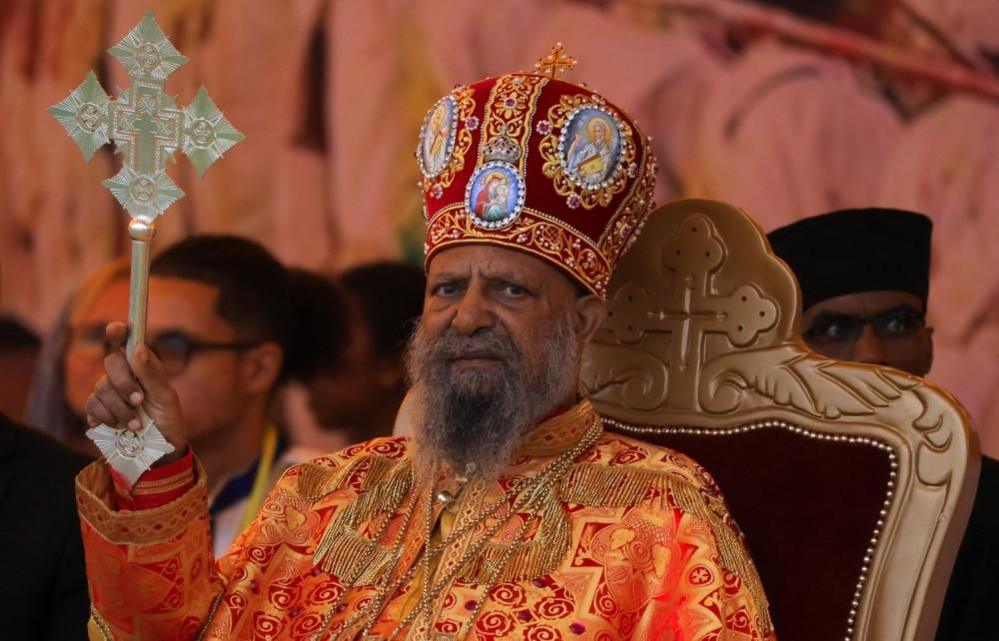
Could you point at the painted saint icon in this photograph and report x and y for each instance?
(592, 147)
(437, 139)
(495, 195)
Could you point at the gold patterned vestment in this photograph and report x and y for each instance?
(633, 541)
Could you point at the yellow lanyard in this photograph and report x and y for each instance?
(262, 481)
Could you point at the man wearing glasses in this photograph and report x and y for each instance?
(222, 321)
(864, 276)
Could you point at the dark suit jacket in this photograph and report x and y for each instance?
(43, 585)
(969, 612)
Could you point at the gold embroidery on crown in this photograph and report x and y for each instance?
(531, 232)
(509, 111)
(626, 224)
(502, 148)
(558, 116)
(595, 485)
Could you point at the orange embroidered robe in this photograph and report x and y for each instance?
(632, 542)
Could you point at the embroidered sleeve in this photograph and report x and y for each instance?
(156, 487)
(150, 571)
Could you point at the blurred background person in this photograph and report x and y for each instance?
(43, 588)
(72, 357)
(360, 393)
(326, 318)
(223, 321)
(19, 348)
(864, 277)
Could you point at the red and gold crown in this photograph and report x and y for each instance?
(534, 163)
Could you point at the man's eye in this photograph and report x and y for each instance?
(831, 331)
(900, 322)
(445, 289)
(515, 290)
(897, 325)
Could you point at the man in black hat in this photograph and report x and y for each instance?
(864, 276)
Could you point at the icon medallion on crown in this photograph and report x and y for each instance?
(590, 146)
(494, 196)
(437, 137)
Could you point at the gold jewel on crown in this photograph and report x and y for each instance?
(501, 148)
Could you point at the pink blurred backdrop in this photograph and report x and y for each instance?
(779, 113)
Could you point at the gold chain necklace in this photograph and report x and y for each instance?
(349, 583)
(528, 500)
(529, 495)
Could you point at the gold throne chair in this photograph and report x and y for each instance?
(852, 483)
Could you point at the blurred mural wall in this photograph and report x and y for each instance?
(786, 114)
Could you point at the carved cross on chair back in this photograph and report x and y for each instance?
(853, 483)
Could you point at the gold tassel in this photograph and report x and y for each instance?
(383, 489)
(601, 486)
(344, 553)
(341, 550)
(316, 481)
(596, 485)
(529, 560)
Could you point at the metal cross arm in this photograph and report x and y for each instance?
(145, 123)
(147, 128)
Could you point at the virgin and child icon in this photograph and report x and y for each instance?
(494, 195)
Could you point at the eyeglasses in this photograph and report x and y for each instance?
(174, 348)
(836, 328)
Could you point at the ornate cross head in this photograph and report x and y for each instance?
(145, 124)
(555, 63)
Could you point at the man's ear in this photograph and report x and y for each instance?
(588, 316)
(262, 366)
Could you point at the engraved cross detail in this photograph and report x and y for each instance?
(146, 125)
(692, 310)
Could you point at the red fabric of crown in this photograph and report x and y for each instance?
(529, 162)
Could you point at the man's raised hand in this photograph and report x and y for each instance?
(126, 386)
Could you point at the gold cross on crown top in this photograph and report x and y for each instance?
(555, 63)
(145, 124)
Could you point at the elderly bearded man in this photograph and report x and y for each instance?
(512, 515)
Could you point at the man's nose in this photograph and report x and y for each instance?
(869, 348)
(473, 313)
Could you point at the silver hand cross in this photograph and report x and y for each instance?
(147, 128)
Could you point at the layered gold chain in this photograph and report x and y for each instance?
(526, 494)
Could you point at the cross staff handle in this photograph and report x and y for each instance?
(138, 295)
